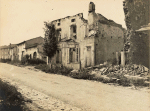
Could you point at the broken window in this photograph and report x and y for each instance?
(72, 20)
(73, 31)
(77, 55)
(58, 35)
(58, 24)
(74, 55)
(74, 28)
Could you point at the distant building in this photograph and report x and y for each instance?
(30, 47)
(84, 43)
(13, 51)
(34, 49)
(21, 50)
(4, 52)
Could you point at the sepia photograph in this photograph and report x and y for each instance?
(74, 55)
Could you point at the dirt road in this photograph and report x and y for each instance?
(88, 95)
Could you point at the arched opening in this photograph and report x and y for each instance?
(34, 55)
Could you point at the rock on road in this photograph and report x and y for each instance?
(84, 94)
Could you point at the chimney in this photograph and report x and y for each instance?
(91, 7)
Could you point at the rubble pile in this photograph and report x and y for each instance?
(128, 75)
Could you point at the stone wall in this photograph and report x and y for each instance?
(109, 37)
(137, 15)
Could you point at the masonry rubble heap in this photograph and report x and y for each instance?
(113, 72)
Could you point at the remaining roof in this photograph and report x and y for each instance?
(34, 42)
(144, 28)
(40, 48)
(4, 47)
(21, 43)
(12, 45)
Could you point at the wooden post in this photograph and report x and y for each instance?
(117, 58)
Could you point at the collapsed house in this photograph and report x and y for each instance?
(84, 43)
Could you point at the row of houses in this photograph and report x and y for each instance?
(82, 43)
(32, 47)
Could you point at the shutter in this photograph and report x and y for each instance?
(78, 54)
(60, 56)
(67, 55)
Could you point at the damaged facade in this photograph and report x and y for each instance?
(138, 33)
(84, 43)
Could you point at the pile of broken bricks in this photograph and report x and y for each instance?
(108, 73)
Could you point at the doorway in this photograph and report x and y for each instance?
(88, 56)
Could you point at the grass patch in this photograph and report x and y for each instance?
(55, 69)
(5, 60)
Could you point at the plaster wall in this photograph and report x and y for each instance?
(109, 40)
(21, 47)
(31, 51)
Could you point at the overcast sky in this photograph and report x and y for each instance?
(24, 19)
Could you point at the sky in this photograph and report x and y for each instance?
(21, 20)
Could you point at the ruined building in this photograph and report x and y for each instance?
(138, 33)
(84, 43)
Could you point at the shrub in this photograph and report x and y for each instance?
(82, 74)
(14, 61)
(57, 69)
(5, 60)
(43, 67)
(27, 56)
(23, 60)
(36, 61)
(65, 70)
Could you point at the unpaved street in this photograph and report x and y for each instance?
(84, 94)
